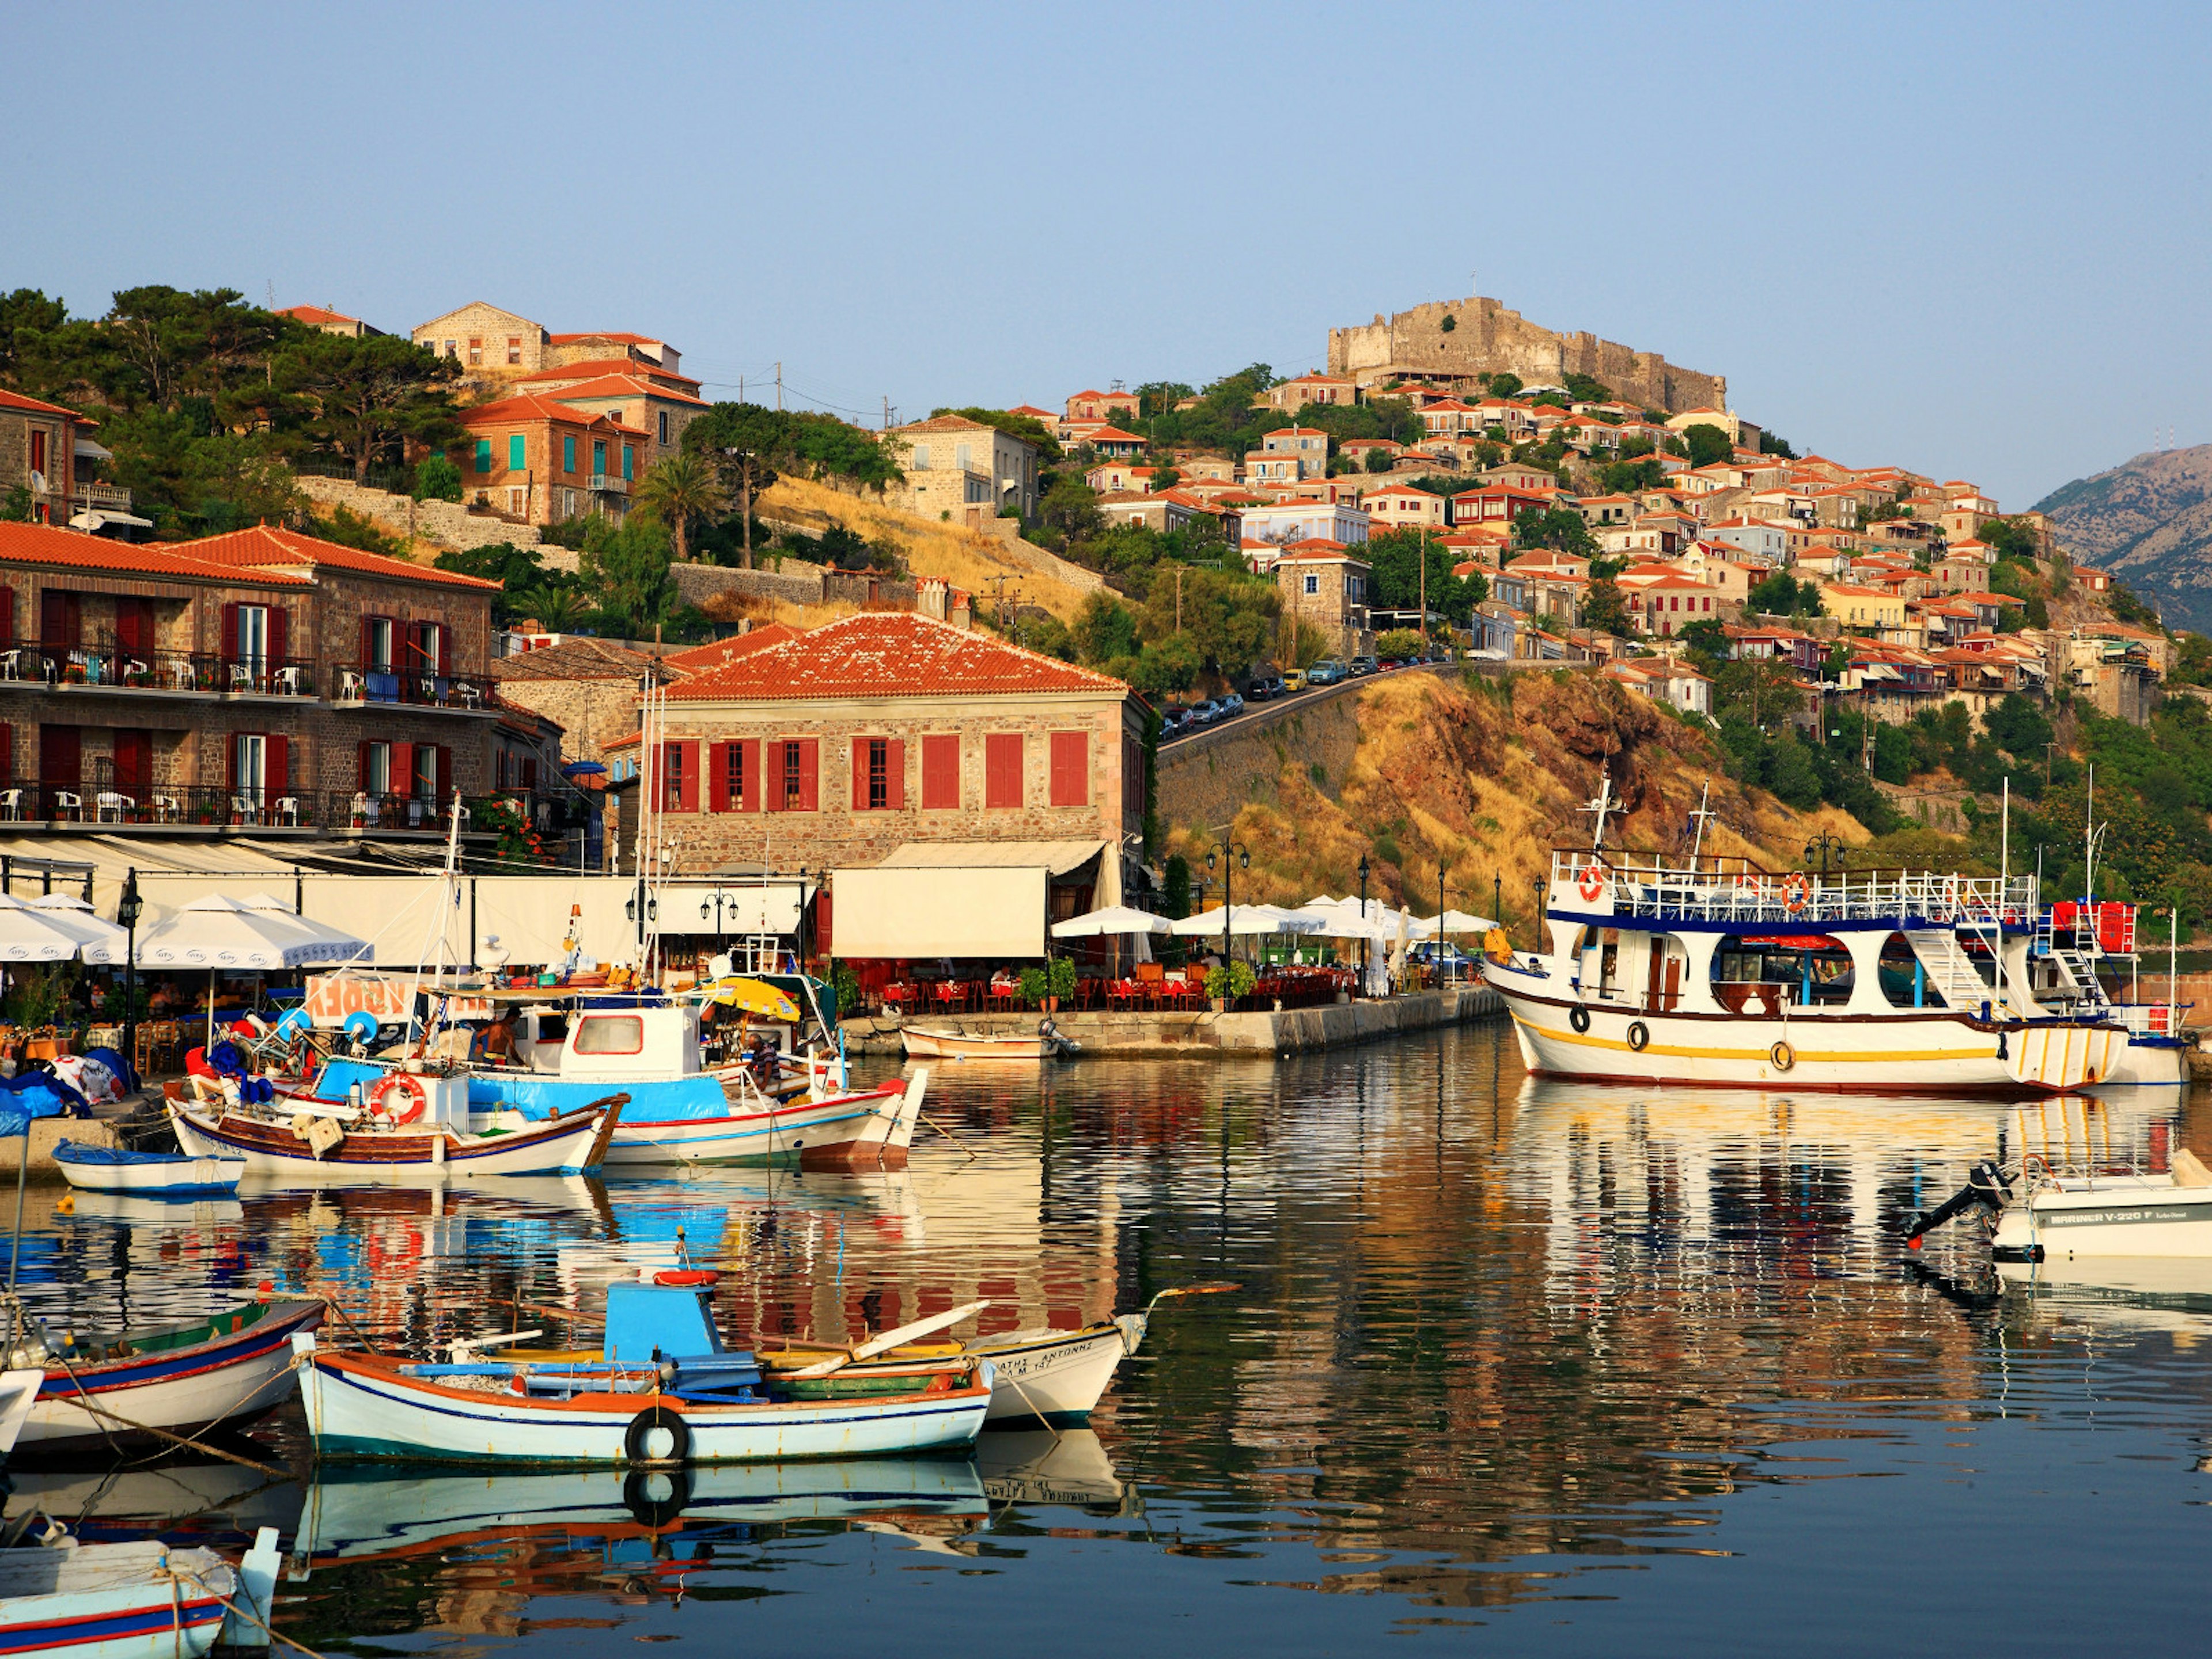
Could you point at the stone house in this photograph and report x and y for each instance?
(47, 451)
(840, 747)
(640, 349)
(588, 687)
(655, 407)
(1323, 583)
(535, 459)
(963, 471)
(1102, 406)
(1396, 507)
(329, 321)
(1291, 396)
(261, 682)
(492, 346)
(1306, 446)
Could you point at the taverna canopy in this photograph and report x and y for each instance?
(103, 941)
(31, 935)
(1454, 921)
(1115, 919)
(1246, 918)
(221, 932)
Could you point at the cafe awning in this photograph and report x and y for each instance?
(964, 899)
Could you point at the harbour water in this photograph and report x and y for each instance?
(1512, 1367)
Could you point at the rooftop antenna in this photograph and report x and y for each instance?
(1602, 804)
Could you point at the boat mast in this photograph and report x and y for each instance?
(1698, 818)
(1601, 805)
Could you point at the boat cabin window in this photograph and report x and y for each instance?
(552, 1028)
(610, 1033)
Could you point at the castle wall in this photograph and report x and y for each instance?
(1487, 338)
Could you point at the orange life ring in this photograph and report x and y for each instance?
(1794, 890)
(686, 1276)
(1592, 883)
(404, 1083)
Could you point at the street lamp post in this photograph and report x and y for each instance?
(1231, 854)
(1364, 942)
(128, 909)
(1823, 846)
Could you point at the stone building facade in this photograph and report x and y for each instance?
(260, 682)
(963, 471)
(38, 453)
(837, 747)
(493, 346)
(537, 460)
(588, 687)
(1322, 583)
(1456, 340)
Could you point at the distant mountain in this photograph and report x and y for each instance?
(2149, 522)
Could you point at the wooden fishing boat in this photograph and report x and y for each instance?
(429, 1137)
(136, 1601)
(230, 1368)
(146, 1174)
(932, 1042)
(663, 1391)
(19, 1393)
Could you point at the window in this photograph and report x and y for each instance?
(483, 455)
(600, 457)
(517, 498)
(877, 778)
(1071, 768)
(793, 775)
(514, 347)
(251, 647)
(792, 778)
(664, 426)
(1002, 770)
(249, 755)
(921, 458)
(610, 1033)
(568, 453)
(38, 451)
(1313, 582)
(733, 775)
(518, 452)
(428, 772)
(567, 503)
(453, 347)
(672, 787)
(940, 773)
(475, 352)
(376, 642)
(630, 461)
(961, 454)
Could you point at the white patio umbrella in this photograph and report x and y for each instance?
(1115, 919)
(1455, 922)
(217, 931)
(281, 915)
(1246, 918)
(29, 934)
(103, 941)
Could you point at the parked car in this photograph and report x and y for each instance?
(1174, 722)
(1264, 688)
(1230, 705)
(1447, 959)
(1365, 665)
(1294, 679)
(1391, 663)
(1328, 672)
(1205, 713)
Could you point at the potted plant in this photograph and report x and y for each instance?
(1060, 982)
(1228, 982)
(1034, 985)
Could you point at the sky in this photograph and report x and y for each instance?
(1972, 241)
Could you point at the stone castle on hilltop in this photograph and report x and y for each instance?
(1456, 340)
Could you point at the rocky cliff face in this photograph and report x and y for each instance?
(2149, 522)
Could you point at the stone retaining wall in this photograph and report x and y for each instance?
(448, 523)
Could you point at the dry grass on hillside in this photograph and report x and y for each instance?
(1483, 783)
(964, 557)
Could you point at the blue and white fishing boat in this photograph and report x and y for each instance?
(137, 1600)
(146, 1174)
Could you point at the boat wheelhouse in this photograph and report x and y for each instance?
(1710, 969)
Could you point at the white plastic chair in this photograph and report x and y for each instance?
(11, 805)
(107, 801)
(65, 802)
(288, 811)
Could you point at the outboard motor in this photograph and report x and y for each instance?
(1987, 1187)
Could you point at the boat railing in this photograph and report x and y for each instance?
(2149, 1018)
(1734, 890)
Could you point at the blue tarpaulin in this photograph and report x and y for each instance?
(14, 1119)
(42, 1094)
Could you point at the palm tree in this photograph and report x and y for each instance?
(680, 489)
(557, 606)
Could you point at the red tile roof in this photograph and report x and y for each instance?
(1109, 435)
(625, 385)
(316, 316)
(39, 543)
(719, 653)
(17, 400)
(600, 334)
(879, 654)
(270, 548)
(598, 366)
(540, 406)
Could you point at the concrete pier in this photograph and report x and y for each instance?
(1139, 1033)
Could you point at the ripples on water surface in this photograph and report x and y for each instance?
(1516, 1367)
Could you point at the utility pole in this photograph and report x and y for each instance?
(1178, 599)
(1425, 594)
(779, 388)
(887, 414)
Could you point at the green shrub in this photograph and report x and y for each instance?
(1231, 980)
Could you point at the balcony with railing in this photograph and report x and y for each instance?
(108, 807)
(1712, 889)
(362, 686)
(373, 812)
(87, 494)
(112, 669)
(609, 483)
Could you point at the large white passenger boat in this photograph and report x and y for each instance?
(1711, 970)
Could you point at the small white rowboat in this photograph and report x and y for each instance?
(137, 1600)
(148, 1175)
(926, 1043)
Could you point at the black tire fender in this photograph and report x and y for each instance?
(1639, 1036)
(657, 1417)
(1578, 1017)
(1782, 1056)
(651, 1511)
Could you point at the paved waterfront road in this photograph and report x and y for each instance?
(1257, 714)
(1511, 1370)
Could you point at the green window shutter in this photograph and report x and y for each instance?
(630, 461)
(599, 458)
(568, 454)
(518, 452)
(483, 455)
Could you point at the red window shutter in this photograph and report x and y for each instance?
(7, 749)
(940, 773)
(445, 773)
(439, 634)
(361, 767)
(1071, 767)
(897, 799)
(772, 779)
(810, 775)
(277, 631)
(276, 766)
(7, 614)
(368, 645)
(230, 634)
(860, 775)
(688, 779)
(748, 752)
(1002, 769)
(230, 763)
(403, 768)
(718, 777)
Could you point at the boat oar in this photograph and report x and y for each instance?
(322, 1294)
(946, 1133)
(1218, 1288)
(891, 1339)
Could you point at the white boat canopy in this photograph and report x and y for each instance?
(1246, 918)
(1115, 919)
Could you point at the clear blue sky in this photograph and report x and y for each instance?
(1972, 240)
